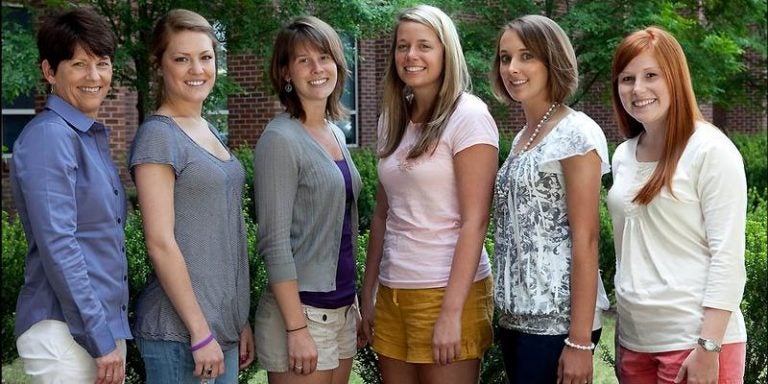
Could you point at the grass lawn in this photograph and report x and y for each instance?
(13, 373)
(603, 370)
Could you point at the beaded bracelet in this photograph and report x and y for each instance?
(571, 344)
(296, 329)
(202, 344)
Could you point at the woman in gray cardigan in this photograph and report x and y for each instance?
(306, 188)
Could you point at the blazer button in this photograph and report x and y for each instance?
(123, 307)
(325, 317)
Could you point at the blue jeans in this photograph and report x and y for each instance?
(171, 362)
(533, 359)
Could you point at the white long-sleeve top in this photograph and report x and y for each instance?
(683, 251)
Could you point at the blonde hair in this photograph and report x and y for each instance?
(454, 81)
(175, 21)
(549, 43)
(683, 110)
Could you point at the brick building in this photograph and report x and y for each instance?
(249, 112)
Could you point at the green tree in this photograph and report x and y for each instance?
(243, 27)
(20, 72)
(724, 41)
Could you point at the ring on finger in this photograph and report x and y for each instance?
(209, 371)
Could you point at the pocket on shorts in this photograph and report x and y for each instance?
(320, 316)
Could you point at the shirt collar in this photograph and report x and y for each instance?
(70, 114)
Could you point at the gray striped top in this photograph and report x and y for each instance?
(209, 229)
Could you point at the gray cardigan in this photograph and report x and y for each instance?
(300, 198)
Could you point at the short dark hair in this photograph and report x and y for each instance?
(60, 34)
(317, 33)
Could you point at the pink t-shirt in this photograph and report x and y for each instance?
(423, 219)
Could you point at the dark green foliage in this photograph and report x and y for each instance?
(366, 162)
(14, 252)
(605, 248)
(139, 268)
(753, 149)
(756, 290)
(505, 146)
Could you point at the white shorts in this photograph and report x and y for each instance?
(51, 355)
(333, 330)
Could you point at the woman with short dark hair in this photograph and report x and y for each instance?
(71, 318)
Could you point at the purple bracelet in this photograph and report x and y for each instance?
(201, 344)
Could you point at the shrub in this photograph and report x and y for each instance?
(14, 254)
(366, 162)
(753, 149)
(756, 291)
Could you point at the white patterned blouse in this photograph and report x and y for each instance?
(533, 242)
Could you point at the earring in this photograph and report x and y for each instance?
(53, 88)
(288, 87)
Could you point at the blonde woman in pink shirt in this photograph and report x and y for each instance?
(427, 268)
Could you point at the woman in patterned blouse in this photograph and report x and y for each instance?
(547, 193)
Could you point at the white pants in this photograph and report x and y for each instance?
(51, 355)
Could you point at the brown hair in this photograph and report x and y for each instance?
(683, 110)
(549, 43)
(175, 21)
(313, 31)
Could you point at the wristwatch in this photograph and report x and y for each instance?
(709, 345)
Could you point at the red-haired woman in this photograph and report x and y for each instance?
(678, 205)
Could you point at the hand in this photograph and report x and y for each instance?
(247, 347)
(700, 367)
(209, 361)
(367, 314)
(302, 352)
(361, 339)
(574, 366)
(110, 368)
(446, 338)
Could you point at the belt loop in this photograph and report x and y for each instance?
(394, 297)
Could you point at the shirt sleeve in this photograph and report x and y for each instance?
(577, 137)
(46, 168)
(276, 180)
(156, 143)
(471, 124)
(722, 189)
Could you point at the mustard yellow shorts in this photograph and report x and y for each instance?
(405, 319)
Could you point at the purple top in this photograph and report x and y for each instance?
(345, 271)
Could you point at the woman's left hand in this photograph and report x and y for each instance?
(575, 366)
(700, 367)
(446, 338)
(247, 348)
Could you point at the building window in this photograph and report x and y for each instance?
(349, 97)
(19, 111)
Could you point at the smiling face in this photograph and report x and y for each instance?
(313, 74)
(188, 67)
(83, 81)
(643, 90)
(524, 75)
(419, 57)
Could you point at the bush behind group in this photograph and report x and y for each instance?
(752, 147)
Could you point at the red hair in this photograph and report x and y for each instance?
(683, 110)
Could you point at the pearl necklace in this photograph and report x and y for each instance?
(544, 119)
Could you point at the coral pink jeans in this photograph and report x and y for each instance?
(662, 367)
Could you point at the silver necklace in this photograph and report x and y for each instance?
(544, 119)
